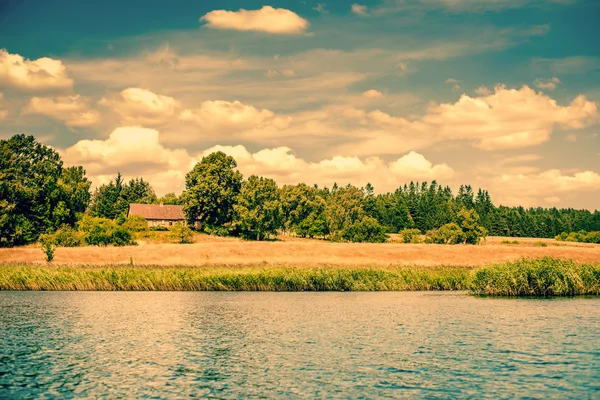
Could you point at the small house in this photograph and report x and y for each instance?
(158, 214)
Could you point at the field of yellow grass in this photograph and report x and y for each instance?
(215, 251)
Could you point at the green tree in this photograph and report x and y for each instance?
(76, 190)
(181, 233)
(366, 230)
(211, 191)
(170, 199)
(112, 200)
(31, 200)
(468, 220)
(303, 210)
(344, 208)
(258, 212)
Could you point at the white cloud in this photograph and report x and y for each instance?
(549, 84)
(136, 151)
(228, 118)
(267, 19)
(451, 80)
(372, 94)
(74, 111)
(137, 106)
(41, 74)
(508, 118)
(359, 9)
(483, 91)
(551, 186)
(3, 113)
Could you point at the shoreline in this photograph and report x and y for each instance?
(542, 277)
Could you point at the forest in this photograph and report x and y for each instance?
(38, 196)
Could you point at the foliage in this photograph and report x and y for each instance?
(581, 236)
(447, 234)
(48, 248)
(170, 199)
(303, 210)
(541, 278)
(258, 211)
(136, 223)
(112, 200)
(468, 220)
(529, 277)
(36, 194)
(181, 233)
(159, 228)
(410, 235)
(366, 230)
(66, 236)
(103, 232)
(344, 208)
(212, 187)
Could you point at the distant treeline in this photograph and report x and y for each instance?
(38, 195)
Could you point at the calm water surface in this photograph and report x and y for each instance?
(296, 345)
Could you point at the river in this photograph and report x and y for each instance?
(296, 345)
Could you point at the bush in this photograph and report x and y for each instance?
(581, 236)
(135, 223)
(410, 235)
(182, 233)
(66, 236)
(159, 228)
(367, 230)
(104, 232)
(48, 247)
(447, 234)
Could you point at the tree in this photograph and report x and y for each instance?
(344, 208)
(170, 199)
(31, 200)
(366, 230)
(468, 220)
(112, 200)
(303, 210)
(211, 191)
(76, 188)
(258, 212)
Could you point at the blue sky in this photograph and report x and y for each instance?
(501, 94)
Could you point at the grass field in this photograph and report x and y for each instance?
(215, 251)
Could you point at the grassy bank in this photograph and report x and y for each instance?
(541, 277)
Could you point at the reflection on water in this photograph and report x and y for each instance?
(231, 345)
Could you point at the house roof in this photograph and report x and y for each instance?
(157, 211)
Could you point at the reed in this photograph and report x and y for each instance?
(528, 277)
(542, 277)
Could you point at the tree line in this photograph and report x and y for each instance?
(39, 196)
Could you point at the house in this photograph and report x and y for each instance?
(158, 214)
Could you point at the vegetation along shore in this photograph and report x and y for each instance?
(544, 277)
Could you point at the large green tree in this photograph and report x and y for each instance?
(210, 192)
(36, 194)
(258, 211)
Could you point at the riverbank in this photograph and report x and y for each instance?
(527, 277)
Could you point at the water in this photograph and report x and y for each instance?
(296, 345)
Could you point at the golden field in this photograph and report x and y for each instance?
(215, 251)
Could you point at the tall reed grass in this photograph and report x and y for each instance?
(541, 277)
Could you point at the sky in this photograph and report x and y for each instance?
(499, 94)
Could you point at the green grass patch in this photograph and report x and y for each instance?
(510, 242)
(528, 277)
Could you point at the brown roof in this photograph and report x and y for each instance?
(157, 211)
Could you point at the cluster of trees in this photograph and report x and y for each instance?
(581, 236)
(38, 196)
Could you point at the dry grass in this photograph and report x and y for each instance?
(214, 251)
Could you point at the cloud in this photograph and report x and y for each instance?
(483, 91)
(552, 186)
(227, 118)
(451, 80)
(267, 19)
(549, 84)
(74, 111)
(320, 8)
(359, 9)
(3, 113)
(565, 66)
(136, 151)
(508, 118)
(133, 151)
(31, 75)
(137, 106)
(372, 94)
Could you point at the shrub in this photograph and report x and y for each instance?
(367, 230)
(447, 234)
(48, 247)
(182, 233)
(510, 242)
(104, 232)
(410, 235)
(66, 236)
(540, 244)
(136, 223)
(159, 228)
(581, 236)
